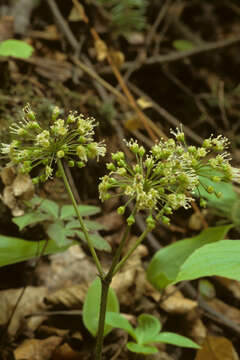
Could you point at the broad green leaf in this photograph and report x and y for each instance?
(229, 196)
(91, 307)
(68, 211)
(91, 225)
(28, 219)
(15, 48)
(118, 321)
(166, 263)
(148, 327)
(50, 207)
(183, 45)
(98, 241)
(59, 234)
(13, 250)
(175, 339)
(221, 258)
(141, 349)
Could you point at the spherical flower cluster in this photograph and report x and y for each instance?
(168, 177)
(70, 138)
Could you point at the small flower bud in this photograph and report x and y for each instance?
(71, 163)
(60, 154)
(121, 210)
(151, 223)
(216, 179)
(141, 151)
(165, 220)
(111, 167)
(130, 220)
(218, 194)
(210, 189)
(203, 203)
(80, 164)
(118, 156)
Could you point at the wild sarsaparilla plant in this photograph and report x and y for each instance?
(157, 182)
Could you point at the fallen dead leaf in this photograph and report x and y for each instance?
(32, 301)
(23, 187)
(130, 283)
(35, 349)
(71, 297)
(217, 348)
(8, 174)
(18, 187)
(176, 303)
(101, 49)
(112, 221)
(6, 28)
(143, 103)
(65, 352)
(118, 58)
(195, 327)
(64, 270)
(230, 311)
(232, 285)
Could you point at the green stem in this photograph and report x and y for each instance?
(105, 282)
(129, 253)
(80, 219)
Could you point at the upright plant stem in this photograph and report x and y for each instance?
(105, 284)
(80, 219)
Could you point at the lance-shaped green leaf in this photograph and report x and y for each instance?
(91, 307)
(175, 339)
(221, 259)
(166, 263)
(13, 250)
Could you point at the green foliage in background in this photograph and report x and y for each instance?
(168, 263)
(15, 48)
(60, 222)
(126, 15)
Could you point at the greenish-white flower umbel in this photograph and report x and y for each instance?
(167, 177)
(70, 138)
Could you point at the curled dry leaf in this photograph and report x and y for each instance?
(8, 174)
(231, 285)
(72, 267)
(195, 327)
(35, 349)
(23, 187)
(130, 283)
(70, 297)
(176, 303)
(31, 302)
(217, 348)
(101, 49)
(112, 221)
(65, 352)
(230, 311)
(118, 58)
(18, 187)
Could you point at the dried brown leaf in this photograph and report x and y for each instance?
(32, 301)
(35, 349)
(217, 348)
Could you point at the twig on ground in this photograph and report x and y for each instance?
(197, 101)
(165, 114)
(63, 25)
(210, 312)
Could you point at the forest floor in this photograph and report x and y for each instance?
(182, 67)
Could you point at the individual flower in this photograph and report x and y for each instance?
(70, 138)
(167, 178)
